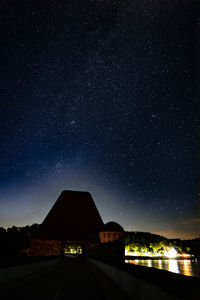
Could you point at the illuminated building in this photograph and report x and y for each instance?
(111, 232)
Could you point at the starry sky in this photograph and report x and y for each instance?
(101, 96)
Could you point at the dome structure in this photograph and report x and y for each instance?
(113, 226)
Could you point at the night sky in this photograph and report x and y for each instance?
(101, 96)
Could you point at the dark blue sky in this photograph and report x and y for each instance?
(101, 96)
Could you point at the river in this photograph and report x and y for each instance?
(184, 266)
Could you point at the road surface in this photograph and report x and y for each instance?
(71, 278)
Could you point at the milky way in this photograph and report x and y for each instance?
(101, 96)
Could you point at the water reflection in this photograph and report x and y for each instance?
(149, 263)
(173, 266)
(185, 267)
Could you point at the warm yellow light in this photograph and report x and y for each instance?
(142, 253)
(173, 266)
(73, 249)
(185, 255)
(149, 262)
(171, 253)
(130, 253)
(168, 252)
(187, 267)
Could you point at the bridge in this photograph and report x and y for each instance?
(70, 278)
(80, 278)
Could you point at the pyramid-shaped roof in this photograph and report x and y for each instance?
(73, 217)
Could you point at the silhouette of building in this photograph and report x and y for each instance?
(73, 217)
(74, 226)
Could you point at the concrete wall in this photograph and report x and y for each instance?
(134, 287)
(45, 248)
(11, 273)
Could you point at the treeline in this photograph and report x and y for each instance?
(142, 242)
(15, 240)
(143, 238)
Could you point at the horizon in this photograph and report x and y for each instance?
(126, 231)
(130, 230)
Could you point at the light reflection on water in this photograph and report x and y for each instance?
(185, 267)
(173, 266)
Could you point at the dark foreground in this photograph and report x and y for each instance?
(71, 278)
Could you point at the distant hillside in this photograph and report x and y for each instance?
(142, 242)
(142, 237)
